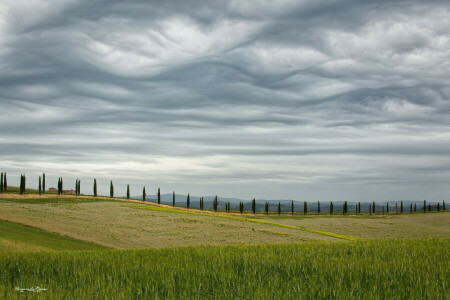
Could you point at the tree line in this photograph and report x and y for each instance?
(372, 207)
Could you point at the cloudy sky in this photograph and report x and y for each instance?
(304, 100)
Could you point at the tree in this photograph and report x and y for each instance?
(111, 189)
(241, 207)
(266, 207)
(305, 208)
(401, 207)
(43, 183)
(424, 206)
(331, 207)
(279, 208)
(95, 187)
(5, 182)
(373, 206)
(387, 207)
(410, 208)
(143, 194)
(215, 204)
(188, 200)
(415, 207)
(318, 207)
(128, 191)
(344, 208)
(173, 198)
(443, 204)
(159, 196)
(292, 207)
(359, 207)
(22, 184)
(254, 206)
(439, 207)
(1, 183)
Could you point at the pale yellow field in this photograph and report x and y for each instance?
(121, 224)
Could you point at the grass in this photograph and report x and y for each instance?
(377, 269)
(56, 200)
(243, 219)
(16, 237)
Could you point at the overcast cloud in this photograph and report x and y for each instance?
(304, 100)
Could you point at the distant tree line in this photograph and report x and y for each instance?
(373, 208)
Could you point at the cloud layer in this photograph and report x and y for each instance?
(320, 100)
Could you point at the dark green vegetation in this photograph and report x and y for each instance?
(17, 237)
(380, 269)
(56, 200)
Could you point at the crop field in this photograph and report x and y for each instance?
(65, 245)
(416, 269)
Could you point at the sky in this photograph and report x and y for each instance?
(302, 100)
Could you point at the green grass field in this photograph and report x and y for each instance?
(17, 237)
(179, 254)
(381, 269)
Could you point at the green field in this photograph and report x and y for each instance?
(400, 269)
(17, 237)
(62, 244)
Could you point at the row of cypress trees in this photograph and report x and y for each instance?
(3, 187)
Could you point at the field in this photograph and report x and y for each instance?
(65, 245)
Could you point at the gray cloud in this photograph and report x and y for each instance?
(286, 99)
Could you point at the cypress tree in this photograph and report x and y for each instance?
(76, 187)
(344, 208)
(439, 207)
(331, 207)
(5, 182)
(401, 207)
(373, 206)
(188, 200)
(266, 207)
(43, 183)
(143, 194)
(62, 185)
(95, 187)
(415, 207)
(1, 183)
(305, 208)
(173, 198)
(215, 204)
(292, 207)
(111, 189)
(279, 208)
(443, 205)
(387, 207)
(128, 191)
(359, 207)
(254, 206)
(424, 206)
(318, 207)
(159, 196)
(241, 207)
(410, 208)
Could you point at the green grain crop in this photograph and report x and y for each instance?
(376, 269)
